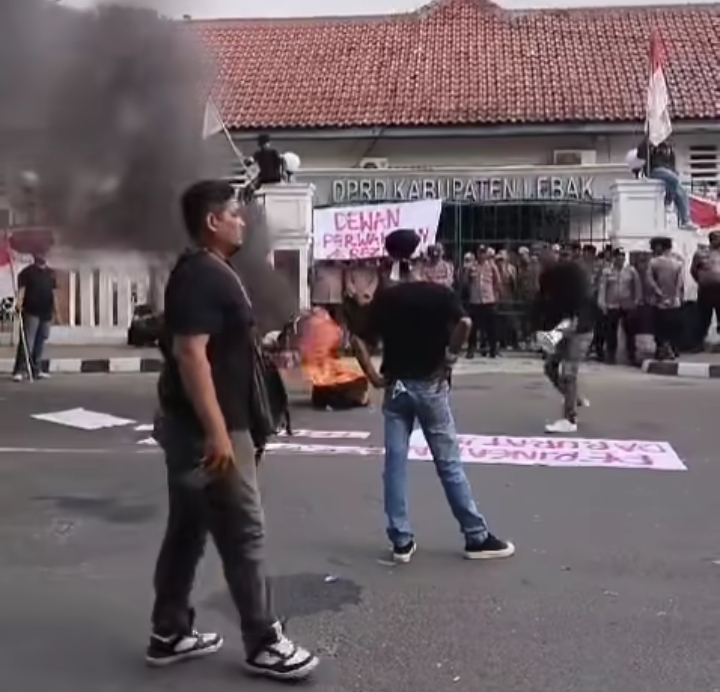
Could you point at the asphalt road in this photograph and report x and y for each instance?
(613, 589)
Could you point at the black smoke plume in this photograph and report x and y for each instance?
(105, 108)
(114, 101)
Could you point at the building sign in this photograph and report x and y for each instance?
(359, 231)
(541, 187)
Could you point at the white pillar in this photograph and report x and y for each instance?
(125, 306)
(289, 214)
(304, 288)
(105, 297)
(87, 296)
(638, 213)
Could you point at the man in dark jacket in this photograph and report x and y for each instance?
(565, 294)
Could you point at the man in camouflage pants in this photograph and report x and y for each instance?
(565, 296)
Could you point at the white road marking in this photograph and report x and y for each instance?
(83, 419)
(145, 427)
(46, 450)
(306, 434)
(328, 434)
(323, 449)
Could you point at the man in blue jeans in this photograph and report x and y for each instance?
(659, 163)
(422, 328)
(36, 304)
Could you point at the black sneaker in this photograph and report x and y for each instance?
(491, 548)
(164, 651)
(404, 553)
(280, 659)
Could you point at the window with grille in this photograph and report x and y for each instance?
(704, 168)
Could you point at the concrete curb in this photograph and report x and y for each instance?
(128, 365)
(91, 365)
(681, 369)
(138, 364)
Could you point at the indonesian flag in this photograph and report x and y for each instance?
(657, 125)
(212, 122)
(705, 212)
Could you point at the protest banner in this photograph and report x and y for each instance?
(358, 232)
(557, 451)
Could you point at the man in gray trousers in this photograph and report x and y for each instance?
(205, 392)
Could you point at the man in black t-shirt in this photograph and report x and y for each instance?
(271, 165)
(422, 328)
(36, 304)
(205, 392)
(565, 295)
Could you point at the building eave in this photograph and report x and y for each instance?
(455, 132)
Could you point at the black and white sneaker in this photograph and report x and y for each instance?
(403, 554)
(281, 659)
(491, 548)
(164, 651)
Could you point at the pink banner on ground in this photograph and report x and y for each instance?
(557, 451)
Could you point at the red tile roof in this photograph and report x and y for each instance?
(462, 62)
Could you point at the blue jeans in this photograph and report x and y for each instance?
(36, 334)
(429, 403)
(674, 191)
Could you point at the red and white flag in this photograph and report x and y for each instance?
(705, 212)
(657, 125)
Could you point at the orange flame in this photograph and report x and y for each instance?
(319, 339)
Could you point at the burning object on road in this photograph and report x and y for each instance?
(336, 383)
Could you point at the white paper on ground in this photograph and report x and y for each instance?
(83, 419)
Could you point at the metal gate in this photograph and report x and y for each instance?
(508, 225)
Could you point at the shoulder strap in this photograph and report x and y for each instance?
(226, 267)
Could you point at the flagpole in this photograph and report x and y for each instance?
(222, 126)
(647, 111)
(21, 322)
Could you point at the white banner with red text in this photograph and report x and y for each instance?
(358, 232)
(557, 451)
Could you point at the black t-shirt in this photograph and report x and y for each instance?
(414, 321)
(204, 296)
(564, 292)
(39, 284)
(270, 164)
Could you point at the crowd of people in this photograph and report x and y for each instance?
(655, 292)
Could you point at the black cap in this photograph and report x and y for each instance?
(401, 244)
(661, 242)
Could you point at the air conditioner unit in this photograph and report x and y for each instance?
(574, 157)
(374, 163)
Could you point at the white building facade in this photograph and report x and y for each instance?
(549, 163)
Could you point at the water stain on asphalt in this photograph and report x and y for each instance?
(298, 595)
(647, 426)
(107, 509)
